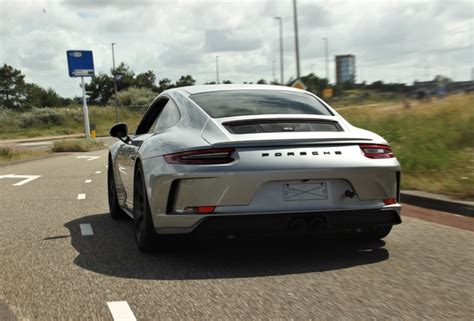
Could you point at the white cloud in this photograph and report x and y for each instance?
(392, 41)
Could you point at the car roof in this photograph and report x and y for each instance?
(191, 90)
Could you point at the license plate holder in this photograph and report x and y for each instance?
(306, 191)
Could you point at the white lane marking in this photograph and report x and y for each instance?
(98, 172)
(86, 229)
(121, 311)
(28, 178)
(87, 181)
(89, 158)
(81, 196)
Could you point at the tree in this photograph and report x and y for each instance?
(39, 97)
(125, 76)
(12, 87)
(101, 89)
(262, 82)
(146, 80)
(164, 84)
(185, 81)
(314, 84)
(227, 82)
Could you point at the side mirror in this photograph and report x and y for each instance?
(120, 131)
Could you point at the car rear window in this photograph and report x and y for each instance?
(219, 104)
(278, 125)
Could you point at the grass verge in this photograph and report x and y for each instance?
(8, 154)
(77, 145)
(40, 122)
(434, 142)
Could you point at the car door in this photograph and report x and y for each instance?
(127, 153)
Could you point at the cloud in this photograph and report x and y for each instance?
(228, 40)
(392, 41)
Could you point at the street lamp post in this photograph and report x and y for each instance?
(326, 57)
(295, 14)
(115, 84)
(280, 21)
(217, 69)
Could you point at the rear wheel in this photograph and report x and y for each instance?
(374, 234)
(145, 235)
(114, 208)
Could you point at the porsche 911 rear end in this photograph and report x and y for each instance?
(264, 172)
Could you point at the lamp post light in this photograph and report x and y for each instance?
(217, 69)
(297, 49)
(280, 21)
(115, 84)
(326, 57)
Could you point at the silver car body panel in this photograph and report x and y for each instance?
(266, 166)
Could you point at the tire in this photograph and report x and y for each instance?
(374, 234)
(115, 210)
(145, 235)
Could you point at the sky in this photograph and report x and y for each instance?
(393, 41)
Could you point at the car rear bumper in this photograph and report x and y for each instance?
(276, 223)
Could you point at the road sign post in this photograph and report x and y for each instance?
(81, 64)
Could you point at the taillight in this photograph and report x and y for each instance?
(376, 151)
(200, 210)
(202, 157)
(390, 201)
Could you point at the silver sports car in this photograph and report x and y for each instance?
(236, 159)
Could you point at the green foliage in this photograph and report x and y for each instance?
(314, 84)
(136, 97)
(185, 81)
(100, 89)
(8, 154)
(40, 117)
(12, 87)
(146, 80)
(76, 145)
(433, 142)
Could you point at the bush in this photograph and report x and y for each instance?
(76, 145)
(40, 117)
(136, 96)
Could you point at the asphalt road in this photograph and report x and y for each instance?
(51, 271)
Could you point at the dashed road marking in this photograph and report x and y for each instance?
(86, 229)
(87, 181)
(98, 172)
(81, 196)
(89, 158)
(26, 178)
(121, 311)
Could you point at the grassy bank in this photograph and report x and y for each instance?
(76, 145)
(62, 121)
(433, 141)
(8, 154)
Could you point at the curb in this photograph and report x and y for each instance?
(434, 202)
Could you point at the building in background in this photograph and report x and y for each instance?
(345, 69)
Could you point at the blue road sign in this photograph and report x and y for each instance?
(80, 63)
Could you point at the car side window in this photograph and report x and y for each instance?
(169, 117)
(149, 120)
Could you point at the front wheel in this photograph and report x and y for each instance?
(145, 235)
(115, 210)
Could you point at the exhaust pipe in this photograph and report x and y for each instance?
(298, 225)
(317, 224)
